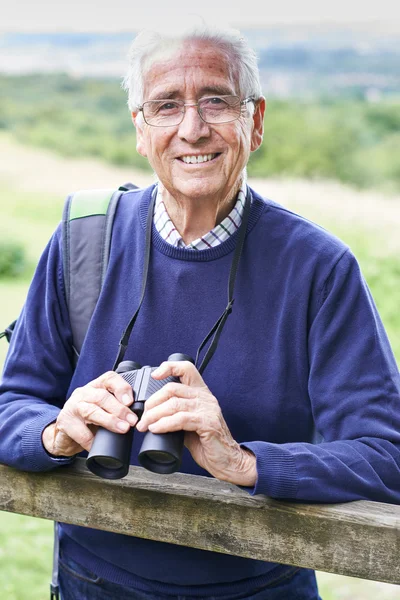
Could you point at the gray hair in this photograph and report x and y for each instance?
(148, 44)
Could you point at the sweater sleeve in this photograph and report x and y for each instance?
(38, 368)
(354, 390)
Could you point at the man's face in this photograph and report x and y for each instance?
(197, 70)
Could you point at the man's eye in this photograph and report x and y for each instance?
(168, 106)
(216, 100)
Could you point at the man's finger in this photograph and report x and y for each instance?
(97, 416)
(185, 370)
(178, 422)
(108, 402)
(90, 413)
(115, 384)
(174, 405)
(169, 391)
(74, 430)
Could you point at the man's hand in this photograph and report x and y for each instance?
(191, 407)
(103, 402)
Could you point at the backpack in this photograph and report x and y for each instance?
(87, 223)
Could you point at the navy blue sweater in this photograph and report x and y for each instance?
(303, 372)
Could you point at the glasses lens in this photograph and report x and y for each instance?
(163, 113)
(219, 109)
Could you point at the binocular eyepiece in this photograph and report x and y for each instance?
(109, 456)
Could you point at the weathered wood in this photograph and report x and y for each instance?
(361, 539)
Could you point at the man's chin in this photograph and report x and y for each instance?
(196, 189)
(203, 193)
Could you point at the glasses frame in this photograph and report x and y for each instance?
(184, 104)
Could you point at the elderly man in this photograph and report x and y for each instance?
(301, 397)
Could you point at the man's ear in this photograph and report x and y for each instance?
(258, 124)
(137, 120)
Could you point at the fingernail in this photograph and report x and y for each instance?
(126, 399)
(132, 419)
(122, 426)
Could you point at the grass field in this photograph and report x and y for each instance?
(33, 185)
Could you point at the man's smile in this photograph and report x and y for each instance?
(198, 158)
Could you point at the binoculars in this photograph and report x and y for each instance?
(109, 456)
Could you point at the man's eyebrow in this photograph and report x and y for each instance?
(166, 95)
(219, 90)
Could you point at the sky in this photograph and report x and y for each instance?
(128, 15)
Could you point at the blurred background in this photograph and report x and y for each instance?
(331, 152)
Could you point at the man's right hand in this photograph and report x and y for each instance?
(102, 402)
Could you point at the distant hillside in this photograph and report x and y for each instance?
(295, 61)
(353, 140)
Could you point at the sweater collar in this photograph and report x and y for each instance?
(258, 206)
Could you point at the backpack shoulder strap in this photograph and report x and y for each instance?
(7, 333)
(86, 236)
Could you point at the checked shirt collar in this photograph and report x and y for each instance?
(220, 233)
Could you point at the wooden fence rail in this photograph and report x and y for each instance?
(360, 539)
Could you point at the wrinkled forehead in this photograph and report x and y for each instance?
(198, 60)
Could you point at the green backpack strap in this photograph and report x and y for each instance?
(86, 236)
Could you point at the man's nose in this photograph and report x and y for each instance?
(192, 127)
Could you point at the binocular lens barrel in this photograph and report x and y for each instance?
(109, 455)
(162, 452)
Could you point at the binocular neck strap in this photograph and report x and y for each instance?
(216, 330)
(219, 325)
(123, 344)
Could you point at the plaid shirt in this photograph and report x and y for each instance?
(219, 234)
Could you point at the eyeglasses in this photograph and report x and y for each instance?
(212, 110)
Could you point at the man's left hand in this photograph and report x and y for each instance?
(190, 406)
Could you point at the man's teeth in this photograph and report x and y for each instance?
(198, 159)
